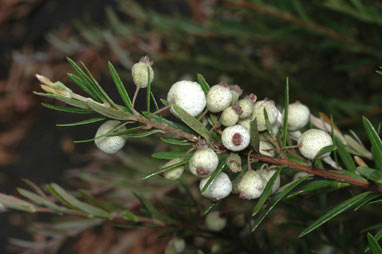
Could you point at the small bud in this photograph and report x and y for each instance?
(234, 162)
(220, 188)
(110, 144)
(219, 97)
(312, 141)
(141, 71)
(258, 113)
(188, 95)
(175, 173)
(246, 105)
(230, 115)
(215, 222)
(203, 162)
(236, 91)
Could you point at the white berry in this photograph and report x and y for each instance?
(251, 185)
(188, 95)
(312, 141)
(267, 174)
(140, 72)
(175, 173)
(111, 144)
(175, 245)
(203, 162)
(266, 148)
(220, 188)
(246, 105)
(219, 97)
(299, 175)
(298, 116)
(230, 115)
(235, 138)
(215, 222)
(258, 113)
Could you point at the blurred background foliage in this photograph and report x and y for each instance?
(329, 49)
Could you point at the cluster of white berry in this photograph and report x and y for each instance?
(235, 116)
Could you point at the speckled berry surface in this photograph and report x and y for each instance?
(220, 188)
(246, 106)
(258, 113)
(235, 138)
(215, 222)
(139, 72)
(175, 173)
(267, 174)
(229, 117)
(298, 116)
(113, 144)
(218, 98)
(203, 162)
(312, 141)
(188, 95)
(251, 185)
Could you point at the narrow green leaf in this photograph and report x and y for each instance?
(109, 112)
(333, 137)
(69, 101)
(86, 81)
(156, 105)
(171, 124)
(154, 212)
(317, 185)
(209, 208)
(334, 212)
(368, 200)
(203, 83)
(281, 195)
(68, 109)
(266, 193)
(78, 81)
(112, 132)
(286, 106)
(374, 245)
(16, 203)
(371, 174)
(345, 155)
(192, 122)
(91, 210)
(170, 155)
(267, 123)
(142, 134)
(162, 170)
(40, 200)
(297, 159)
(324, 150)
(215, 174)
(375, 142)
(130, 216)
(164, 102)
(148, 92)
(254, 136)
(97, 86)
(88, 121)
(120, 87)
(174, 141)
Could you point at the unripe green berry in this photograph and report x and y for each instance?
(258, 113)
(203, 162)
(234, 162)
(219, 97)
(230, 115)
(188, 95)
(266, 148)
(246, 105)
(251, 185)
(236, 91)
(140, 72)
(215, 222)
(175, 173)
(298, 116)
(110, 144)
(312, 141)
(246, 123)
(235, 138)
(267, 174)
(220, 188)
